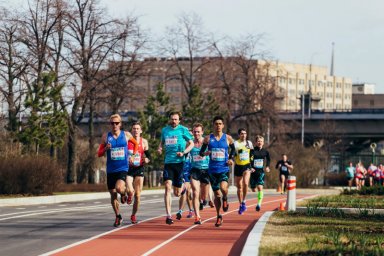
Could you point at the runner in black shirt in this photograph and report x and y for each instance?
(260, 162)
(285, 167)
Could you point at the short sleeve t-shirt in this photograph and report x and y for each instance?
(175, 140)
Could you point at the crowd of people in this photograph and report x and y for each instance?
(196, 167)
(373, 175)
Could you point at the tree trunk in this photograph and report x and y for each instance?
(72, 154)
(91, 134)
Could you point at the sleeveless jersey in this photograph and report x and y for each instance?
(219, 154)
(197, 161)
(138, 158)
(242, 157)
(117, 155)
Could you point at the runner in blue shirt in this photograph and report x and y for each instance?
(177, 141)
(218, 144)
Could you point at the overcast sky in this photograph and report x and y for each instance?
(299, 31)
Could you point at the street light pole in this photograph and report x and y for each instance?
(302, 118)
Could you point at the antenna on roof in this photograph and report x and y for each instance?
(332, 60)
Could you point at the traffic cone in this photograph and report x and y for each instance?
(282, 206)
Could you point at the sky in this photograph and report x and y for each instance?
(298, 31)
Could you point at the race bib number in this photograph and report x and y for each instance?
(117, 154)
(258, 163)
(244, 156)
(284, 168)
(218, 154)
(171, 141)
(197, 158)
(137, 159)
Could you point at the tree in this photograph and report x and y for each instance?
(201, 109)
(89, 40)
(13, 64)
(44, 122)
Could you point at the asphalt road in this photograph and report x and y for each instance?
(37, 229)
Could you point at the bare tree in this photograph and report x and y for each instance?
(13, 63)
(245, 83)
(125, 66)
(187, 47)
(89, 41)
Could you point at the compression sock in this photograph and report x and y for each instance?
(260, 196)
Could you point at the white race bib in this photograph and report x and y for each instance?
(284, 168)
(258, 163)
(218, 154)
(244, 156)
(197, 158)
(117, 153)
(137, 159)
(171, 141)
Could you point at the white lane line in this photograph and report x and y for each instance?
(16, 215)
(94, 237)
(194, 226)
(153, 249)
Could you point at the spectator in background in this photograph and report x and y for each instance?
(371, 169)
(360, 175)
(350, 170)
(377, 175)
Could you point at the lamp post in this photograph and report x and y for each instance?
(302, 118)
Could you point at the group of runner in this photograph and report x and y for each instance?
(193, 166)
(374, 175)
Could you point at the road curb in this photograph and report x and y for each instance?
(251, 247)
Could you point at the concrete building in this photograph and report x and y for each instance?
(329, 93)
(291, 80)
(363, 88)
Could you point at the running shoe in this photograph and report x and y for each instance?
(118, 221)
(179, 214)
(211, 204)
(219, 221)
(190, 214)
(244, 206)
(204, 202)
(169, 221)
(123, 198)
(225, 205)
(241, 209)
(129, 200)
(201, 207)
(258, 208)
(133, 219)
(197, 221)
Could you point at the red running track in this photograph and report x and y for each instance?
(154, 237)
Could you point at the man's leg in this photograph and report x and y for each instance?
(196, 196)
(130, 188)
(260, 196)
(246, 176)
(282, 178)
(224, 191)
(168, 200)
(239, 186)
(138, 186)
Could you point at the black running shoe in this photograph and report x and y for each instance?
(123, 198)
(197, 221)
(258, 208)
(219, 221)
(201, 207)
(118, 221)
(178, 215)
(225, 205)
(169, 221)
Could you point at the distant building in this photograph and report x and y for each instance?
(363, 88)
(329, 93)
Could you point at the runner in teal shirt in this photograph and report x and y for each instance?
(177, 141)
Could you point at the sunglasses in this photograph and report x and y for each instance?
(115, 123)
